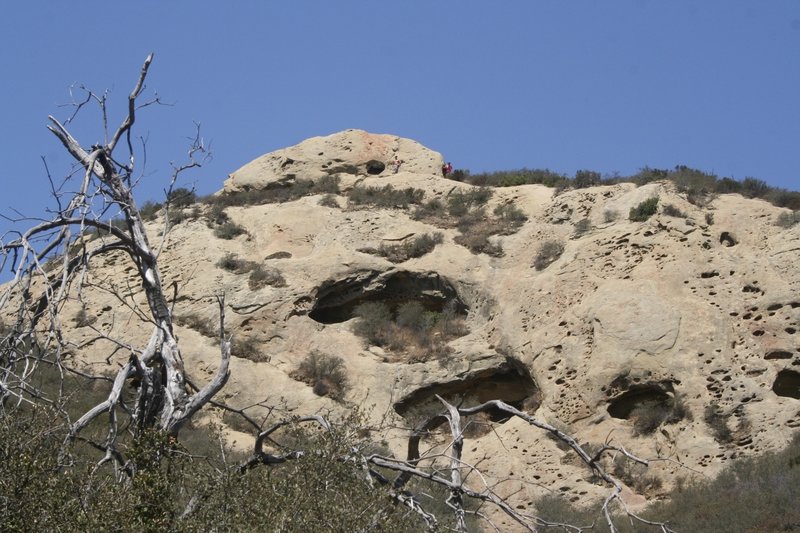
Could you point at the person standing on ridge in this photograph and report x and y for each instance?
(396, 164)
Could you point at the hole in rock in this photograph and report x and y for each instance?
(778, 354)
(727, 239)
(787, 383)
(375, 167)
(510, 382)
(337, 300)
(646, 395)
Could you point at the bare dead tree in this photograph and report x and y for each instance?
(165, 398)
(163, 401)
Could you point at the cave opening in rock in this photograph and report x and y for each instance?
(375, 167)
(336, 301)
(510, 383)
(787, 383)
(649, 395)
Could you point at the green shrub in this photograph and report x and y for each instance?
(229, 230)
(276, 193)
(374, 321)
(582, 227)
(461, 202)
(787, 219)
(386, 196)
(610, 215)
(201, 325)
(510, 216)
(411, 330)
(249, 348)
(672, 211)
(717, 421)
(644, 210)
(150, 210)
(329, 200)
(327, 374)
(586, 178)
(181, 197)
(753, 188)
(260, 277)
(433, 208)
(710, 219)
(548, 253)
(84, 319)
(232, 263)
(416, 247)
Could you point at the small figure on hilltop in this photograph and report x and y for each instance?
(396, 164)
(447, 169)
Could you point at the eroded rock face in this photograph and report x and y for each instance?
(353, 152)
(633, 314)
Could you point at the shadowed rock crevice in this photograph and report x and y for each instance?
(510, 382)
(787, 383)
(336, 300)
(646, 395)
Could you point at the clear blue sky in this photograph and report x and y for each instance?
(607, 86)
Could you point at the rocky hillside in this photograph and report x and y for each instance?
(677, 336)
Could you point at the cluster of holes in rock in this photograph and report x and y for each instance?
(510, 383)
(336, 301)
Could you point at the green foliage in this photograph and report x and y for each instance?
(410, 329)
(329, 200)
(751, 494)
(586, 178)
(710, 219)
(511, 178)
(249, 348)
(416, 247)
(84, 319)
(754, 188)
(229, 230)
(787, 219)
(327, 374)
(582, 227)
(510, 216)
(610, 215)
(232, 263)
(548, 253)
(386, 196)
(432, 209)
(181, 197)
(201, 325)
(43, 489)
(644, 210)
(261, 277)
(717, 421)
(150, 210)
(276, 193)
(672, 211)
(461, 202)
(649, 416)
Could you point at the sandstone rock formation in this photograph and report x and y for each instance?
(633, 317)
(354, 152)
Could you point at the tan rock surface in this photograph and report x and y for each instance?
(353, 152)
(631, 314)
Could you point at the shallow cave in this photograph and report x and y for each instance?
(337, 300)
(375, 167)
(647, 395)
(510, 382)
(787, 383)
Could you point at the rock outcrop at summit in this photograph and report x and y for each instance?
(354, 152)
(696, 317)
